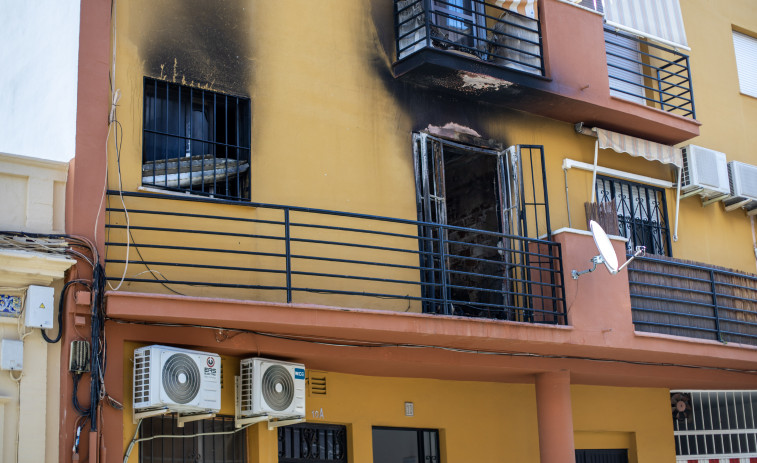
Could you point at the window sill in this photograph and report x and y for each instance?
(187, 194)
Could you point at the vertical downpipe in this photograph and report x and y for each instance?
(288, 256)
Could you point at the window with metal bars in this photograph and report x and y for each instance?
(715, 425)
(642, 213)
(602, 456)
(211, 440)
(400, 445)
(312, 443)
(196, 141)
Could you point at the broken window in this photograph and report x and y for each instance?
(476, 207)
(196, 141)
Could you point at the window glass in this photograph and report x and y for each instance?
(401, 445)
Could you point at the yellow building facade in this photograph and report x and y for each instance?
(393, 194)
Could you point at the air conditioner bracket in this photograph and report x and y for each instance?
(279, 423)
(181, 419)
(136, 416)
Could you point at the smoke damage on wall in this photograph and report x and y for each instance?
(197, 43)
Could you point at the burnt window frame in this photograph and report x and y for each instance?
(639, 231)
(202, 134)
(425, 454)
(203, 446)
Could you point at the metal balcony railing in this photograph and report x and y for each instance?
(693, 300)
(276, 253)
(649, 73)
(476, 29)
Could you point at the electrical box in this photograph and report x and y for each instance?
(39, 307)
(11, 354)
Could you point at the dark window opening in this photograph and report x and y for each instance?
(642, 214)
(402, 445)
(602, 456)
(480, 205)
(198, 445)
(196, 141)
(312, 443)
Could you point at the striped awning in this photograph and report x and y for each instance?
(639, 147)
(658, 20)
(524, 7)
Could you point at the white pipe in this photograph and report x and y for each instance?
(678, 204)
(567, 199)
(571, 164)
(594, 171)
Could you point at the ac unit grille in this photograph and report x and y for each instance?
(707, 169)
(142, 376)
(246, 387)
(686, 176)
(743, 179)
(277, 387)
(181, 378)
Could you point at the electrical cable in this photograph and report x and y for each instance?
(337, 342)
(61, 304)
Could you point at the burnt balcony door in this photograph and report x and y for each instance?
(471, 265)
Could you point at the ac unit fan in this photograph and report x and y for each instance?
(271, 387)
(180, 380)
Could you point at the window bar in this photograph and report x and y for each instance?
(188, 133)
(155, 128)
(443, 267)
(427, 15)
(165, 139)
(203, 146)
(238, 149)
(226, 143)
(736, 421)
(213, 141)
(287, 241)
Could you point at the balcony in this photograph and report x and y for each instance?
(693, 300)
(560, 64)
(272, 253)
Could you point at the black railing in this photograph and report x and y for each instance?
(477, 29)
(650, 73)
(693, 300)
(292, 254)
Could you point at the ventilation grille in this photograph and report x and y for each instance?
(706, 167)
(317, 383)
(685, 177)
(142, 376)
(246, 387)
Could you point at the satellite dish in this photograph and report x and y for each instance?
(606, 251)
(607, 254)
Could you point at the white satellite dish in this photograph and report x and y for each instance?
(607, 254)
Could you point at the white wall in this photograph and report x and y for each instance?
(39, 56)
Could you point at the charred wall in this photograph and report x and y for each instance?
(196, 42)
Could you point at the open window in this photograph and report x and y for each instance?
(196, 141)
(478, 213)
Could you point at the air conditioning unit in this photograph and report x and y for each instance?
(705, 171)
(743, 180)
(180, 380)
(272, 388)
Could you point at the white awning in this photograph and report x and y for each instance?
(524, 7)
(658, 20)
(646, 149)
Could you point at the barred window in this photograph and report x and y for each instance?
(312, 443)
(642, 213)
(211, 440)
(196, 141)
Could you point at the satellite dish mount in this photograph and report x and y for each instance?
(607, 254)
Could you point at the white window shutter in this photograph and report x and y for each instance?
(746, 62)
